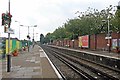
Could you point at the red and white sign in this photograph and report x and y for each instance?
(83, 41)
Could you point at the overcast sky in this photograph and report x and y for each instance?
(46, 14)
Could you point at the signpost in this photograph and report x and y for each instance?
(8, 30)
(11, 31)
(6, 21)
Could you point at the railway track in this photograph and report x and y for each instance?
(66, 71)
(87, 69)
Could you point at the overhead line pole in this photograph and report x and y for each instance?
(28, 35)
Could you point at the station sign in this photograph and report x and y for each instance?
(9, 30)
(108, 37)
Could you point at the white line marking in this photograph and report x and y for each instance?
(59, 76)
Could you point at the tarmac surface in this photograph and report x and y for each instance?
(32, 64)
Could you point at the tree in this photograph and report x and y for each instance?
(60, 33)
(42, 39)
(88, 23)
(116, 21)
(49, 38)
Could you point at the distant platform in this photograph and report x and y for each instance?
(100, 57)
(99, 53)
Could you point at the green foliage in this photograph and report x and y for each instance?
(88, 23)
(41, 38)
(60, 33)
(116, 21)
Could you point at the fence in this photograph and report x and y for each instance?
(95, 42)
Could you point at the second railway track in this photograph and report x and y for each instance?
(87, 69)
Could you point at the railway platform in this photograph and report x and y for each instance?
(100, 57)
(99, 53)
(30, 65)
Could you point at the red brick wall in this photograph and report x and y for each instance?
(115, 35)
(92, 42)
(101, 41)
(68, 42)
(71, 44)
(76, 43)
(95, 43)
(65, 42)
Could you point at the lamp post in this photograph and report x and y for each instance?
(28, 34)
(33, 34)
(19, 28)
(73, 39)
(8, 55)
(108, 31)
(36, 36)
(33, 37)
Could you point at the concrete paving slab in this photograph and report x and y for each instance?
(47, 69)
(0, 70)
(33, 64)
